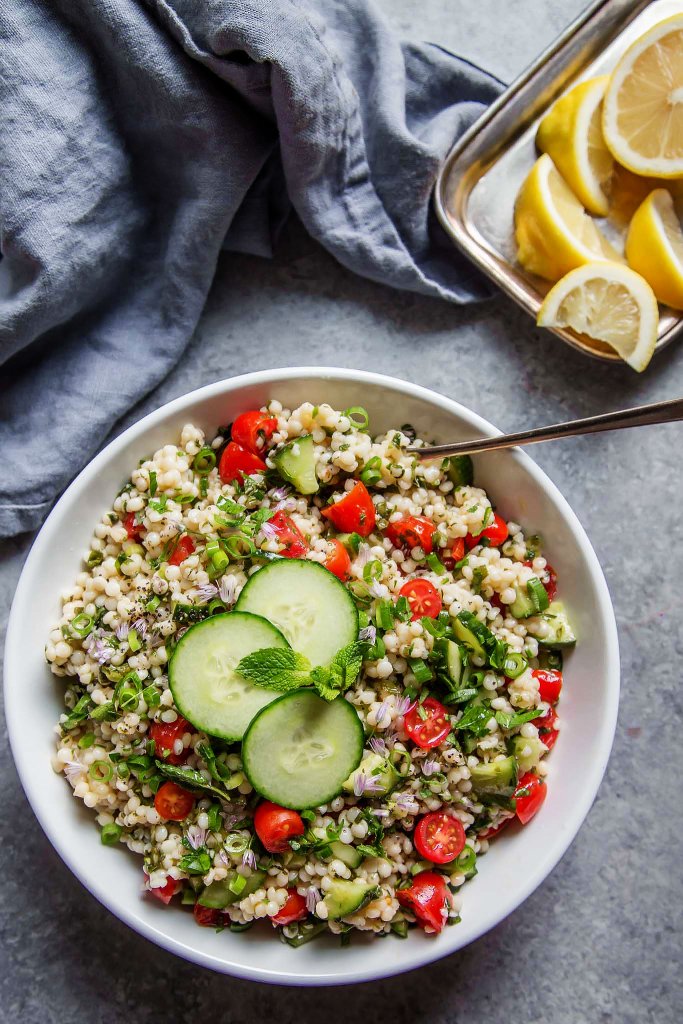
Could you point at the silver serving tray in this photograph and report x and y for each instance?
(479, 181)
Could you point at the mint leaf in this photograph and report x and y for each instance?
(189, 777)
(348, 662)
(475, 718)
(511, 721)
(276, 668)
(325, 683)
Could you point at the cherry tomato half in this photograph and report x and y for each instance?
(183, 549)
(165, 893)
(547, 733)
(411, 532)
(489, 833)
(173, 802)
(133, 528)
(439, 837)
(207, 917)
(355, 513)
(236, 462)
(339, 562)
(164, 735)
(496, 533)
(427, 723)
(549, 684)
(276, 825)
(283, 529)
(423, 597)
(427, 898)
(529, 795)
(293, 909)
(253, 430)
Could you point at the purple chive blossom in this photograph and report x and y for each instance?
(378, 590)
(383, 716)
(405, 801)
(380, 812)
(223, 858)
(207, 592)
(364, 555)
(249, 859)
(362, 784)
(269, 531)
(378, 746)
(196, 836)
(122, 631)
(312, 898)
(368, 633)
(227, 589)
(429, 767)
(280, 493)
(73, 771)
(99, 650)
(142, 629)
(403, 705)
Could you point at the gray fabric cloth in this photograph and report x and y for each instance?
(137, 139)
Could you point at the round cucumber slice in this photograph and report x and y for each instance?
(299, 751)
(205, 686)
(311, 607)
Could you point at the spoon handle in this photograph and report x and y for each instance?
(641, 416)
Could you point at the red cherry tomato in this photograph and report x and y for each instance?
(489, 833)
(165, 893)
(458, 549)
(183, 549)
(355, 513)
(550, 684)
(253, 430)
(547, 733)
(339, 562)
(276, 825)
(293, 909)
(412, 532)
(133, 529)
(439, 837)
(427, 723)
(529, 795)
(423, 597)
(208, 917)
(287, 533)
(173, 802)
(164, 735)
(427, 897)
(496, 533)
(236, 462)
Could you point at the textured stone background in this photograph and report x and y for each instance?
(599, 942)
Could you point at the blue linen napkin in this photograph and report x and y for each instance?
(138, 138)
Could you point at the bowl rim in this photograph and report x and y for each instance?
(423, 955)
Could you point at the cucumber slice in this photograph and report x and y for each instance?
(205, 686)
(345, 897)
(496, 778)
(528, 752)
(219, 895)
(560, 632)
(300, 749)
(461, 470)
(522, 606)
(378, 771)
(348, 855)
(296, 463)
(311, 607)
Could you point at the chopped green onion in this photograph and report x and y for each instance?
(237, 884)
(81, 625)
(110, 834)
(358, 416)
(538, 594)
(94, 558)
(104, 712)
(203, 486)
(216, 606)
(218, 557)
(434, 564)
(151, 696)
(514, 664)
(420, 670)
(239, 546)
(153, 603)
(122, 770)
(152, 483)
(372, 570)
(204, 461)
(236, 843)
(371, 474)
(87, 740)
(354, 541)
(466, 862)
(100, 771)
(134, 640)
(384, 615)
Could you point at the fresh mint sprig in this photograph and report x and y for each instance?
(277, 668)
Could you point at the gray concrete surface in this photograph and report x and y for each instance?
(599, 942)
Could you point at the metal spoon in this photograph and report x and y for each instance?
(641, 416)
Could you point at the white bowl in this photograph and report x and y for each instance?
(518, 861)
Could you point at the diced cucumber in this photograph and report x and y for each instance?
(560, 632)
(379, 772)
(461, 470)
(305, 931)
(497, 778)
(219, 895)
(472, 633)
(346, 897)
(348, 855)
(299, 750)
(522, 606)
(527, 751)
(205, 686)
(456, 660)
(296, 463)
(311, 607)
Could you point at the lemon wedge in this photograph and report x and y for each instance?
(654, 247)
(610, 303)
(642, 117)
(553, 231)
(571, 135)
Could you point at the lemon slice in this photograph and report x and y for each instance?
(553, 231)
(610, 303)
(571, 135)
(642, 118)
(654, 247)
